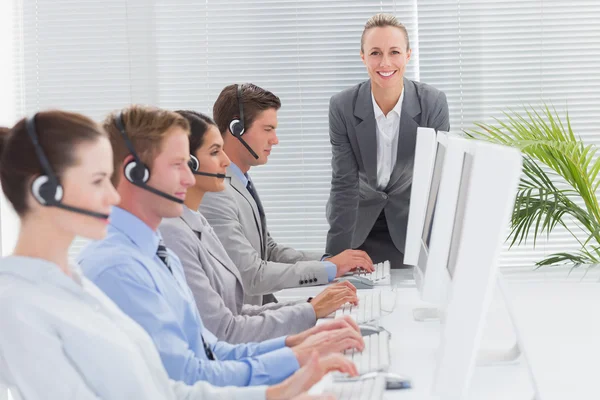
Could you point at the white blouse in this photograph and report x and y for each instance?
(62, 338)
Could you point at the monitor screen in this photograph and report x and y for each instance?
(459, 213)
(433, 193)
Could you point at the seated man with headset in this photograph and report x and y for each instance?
(247, 118)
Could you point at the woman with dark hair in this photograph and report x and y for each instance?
(61, 337)
(211, 274)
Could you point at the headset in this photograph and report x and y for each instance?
(236, 126)
(135, 170)
(46, 188)
(194, 165)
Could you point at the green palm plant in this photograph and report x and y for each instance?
(559, 182)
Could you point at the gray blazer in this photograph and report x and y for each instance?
(218, 290)
(264, 265)
(355, 202)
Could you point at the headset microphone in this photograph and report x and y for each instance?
(236, 126)
(136, 171)
(46, 188)
(194, 165)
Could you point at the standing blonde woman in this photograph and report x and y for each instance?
(373, 129)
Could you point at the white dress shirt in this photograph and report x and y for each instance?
(388, 127)
(62, 338)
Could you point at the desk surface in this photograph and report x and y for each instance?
(414, 344)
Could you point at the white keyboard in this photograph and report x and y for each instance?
(381, 273)
(376, 355)
(360, 389)
(368, 309)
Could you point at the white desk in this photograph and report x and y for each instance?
(414, 344)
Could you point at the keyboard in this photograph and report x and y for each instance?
(360, 389)
(381, 273)
(368, 309)
(376, 355)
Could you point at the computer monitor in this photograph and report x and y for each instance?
(425, 157)
(431, 273)
(489, 182)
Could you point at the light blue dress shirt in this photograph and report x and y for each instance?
(62, 338)
(244, 178)
(125, 266)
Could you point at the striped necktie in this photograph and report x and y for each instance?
(163, 254)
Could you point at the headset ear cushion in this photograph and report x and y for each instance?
(46, 192)
(136, 173)
(193, 163)
(236, 128)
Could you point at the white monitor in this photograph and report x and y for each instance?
(432, 273)
(423, 236)
(489, 182)
(425, 152)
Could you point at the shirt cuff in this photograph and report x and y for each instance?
(331, 269)
(326, 255)
(272, 344)
(280, 364)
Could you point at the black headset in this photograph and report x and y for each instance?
(194, 165)
(46, 188)
(236, 126)
(135, 170)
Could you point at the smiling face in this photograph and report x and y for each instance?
(385, 53)
(170, 174)
(212, 159)
(86, 185)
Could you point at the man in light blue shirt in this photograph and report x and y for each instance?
(134, 268)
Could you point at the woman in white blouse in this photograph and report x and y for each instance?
(61, 337)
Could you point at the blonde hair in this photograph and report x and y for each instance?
(382, 21)
(146, 127)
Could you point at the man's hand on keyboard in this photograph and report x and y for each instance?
(338, 323)
(333, 297)
(349, 260)
(331, 341)
(296, 385)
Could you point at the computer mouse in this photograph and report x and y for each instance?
(396, 381)
(367, 330)
(359, 282)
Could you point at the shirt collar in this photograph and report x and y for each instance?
(239, 174)
(397, 108)
(135, 229)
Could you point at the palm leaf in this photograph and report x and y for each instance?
(559, 173)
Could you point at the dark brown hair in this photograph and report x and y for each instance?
(59, 133)
(254, 99)
(199, 124)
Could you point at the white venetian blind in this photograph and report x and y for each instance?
(85, 56)
(304, 52)
(491, 56)
(98, 55)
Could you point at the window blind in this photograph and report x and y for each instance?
(488, 56)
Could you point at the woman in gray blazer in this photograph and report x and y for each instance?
(373, 129)
(213, 277)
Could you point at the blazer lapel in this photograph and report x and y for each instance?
(407, 137)
(196, 224)
(366, 131)
(241, 189)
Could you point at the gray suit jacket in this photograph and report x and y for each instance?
(218, 290)
(264, 265)
(355, 201)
